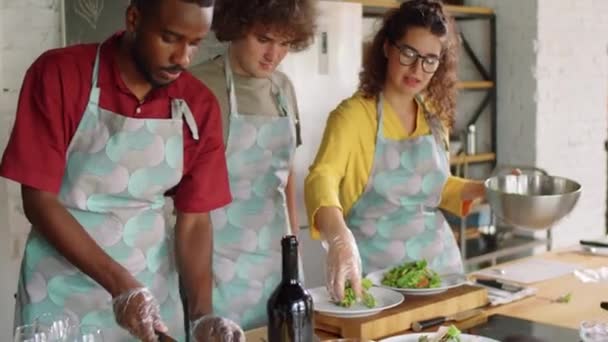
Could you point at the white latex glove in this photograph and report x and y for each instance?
(343, 263)
(138, 311)
(210, 328)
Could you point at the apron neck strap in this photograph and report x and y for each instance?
(380, 115)
(95, 75)
(280, 98)
(232, 105)
(433, 121)
(94, 94)
(434, 124)
(179, 109)
(438, 131)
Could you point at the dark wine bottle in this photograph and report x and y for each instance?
(290, 307)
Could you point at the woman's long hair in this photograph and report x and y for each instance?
(441, 91)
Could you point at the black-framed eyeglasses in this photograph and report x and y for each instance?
(409, 56)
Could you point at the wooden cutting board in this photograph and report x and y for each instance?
(400, 318)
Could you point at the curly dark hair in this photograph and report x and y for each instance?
(441, 91)
(232, 19)
(146, 5)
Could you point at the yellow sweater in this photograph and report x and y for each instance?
(343, 163)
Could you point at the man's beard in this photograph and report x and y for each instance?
(142, 66)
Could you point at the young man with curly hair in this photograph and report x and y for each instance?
(261, 132)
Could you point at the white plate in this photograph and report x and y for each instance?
(415, 337)
(448, 281)
(385, 299)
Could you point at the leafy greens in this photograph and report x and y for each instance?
(412, 275)
(350, 298)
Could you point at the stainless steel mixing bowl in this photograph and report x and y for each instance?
(531, 201)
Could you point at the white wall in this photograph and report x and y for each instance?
(27, 28)
(552, 98)
(572, 95)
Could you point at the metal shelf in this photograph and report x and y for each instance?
(472, 159)
(510, 246)
(487, 82)
(475, 85)
(456, 11)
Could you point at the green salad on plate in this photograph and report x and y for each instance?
(444, 334)
(412, 275)
(350, 298)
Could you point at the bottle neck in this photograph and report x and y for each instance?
(290, 264)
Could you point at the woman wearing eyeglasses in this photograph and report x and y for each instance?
(382, 170)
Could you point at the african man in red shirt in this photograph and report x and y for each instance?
(103, 133)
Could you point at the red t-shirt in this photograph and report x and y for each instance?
(53, 98)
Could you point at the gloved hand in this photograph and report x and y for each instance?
(343, 263)
(210, 328)
(137, 311)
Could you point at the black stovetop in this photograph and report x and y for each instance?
(510, 329)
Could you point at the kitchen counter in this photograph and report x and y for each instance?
(584, 305)
(586, 297)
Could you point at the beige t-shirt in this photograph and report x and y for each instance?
(253, 95)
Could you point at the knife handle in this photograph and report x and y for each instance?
(593, 243)
(498, 285)
(427, 323)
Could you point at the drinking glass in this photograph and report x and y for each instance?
(84, 333)
(593, 331)
(31, 333)
(57, 324)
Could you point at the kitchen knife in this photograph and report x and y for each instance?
(594, 243)
(164, 337)
(459, 317)
(499, 285)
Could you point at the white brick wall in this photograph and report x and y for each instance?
(552, 98)
(27, 28)
(572, 95)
